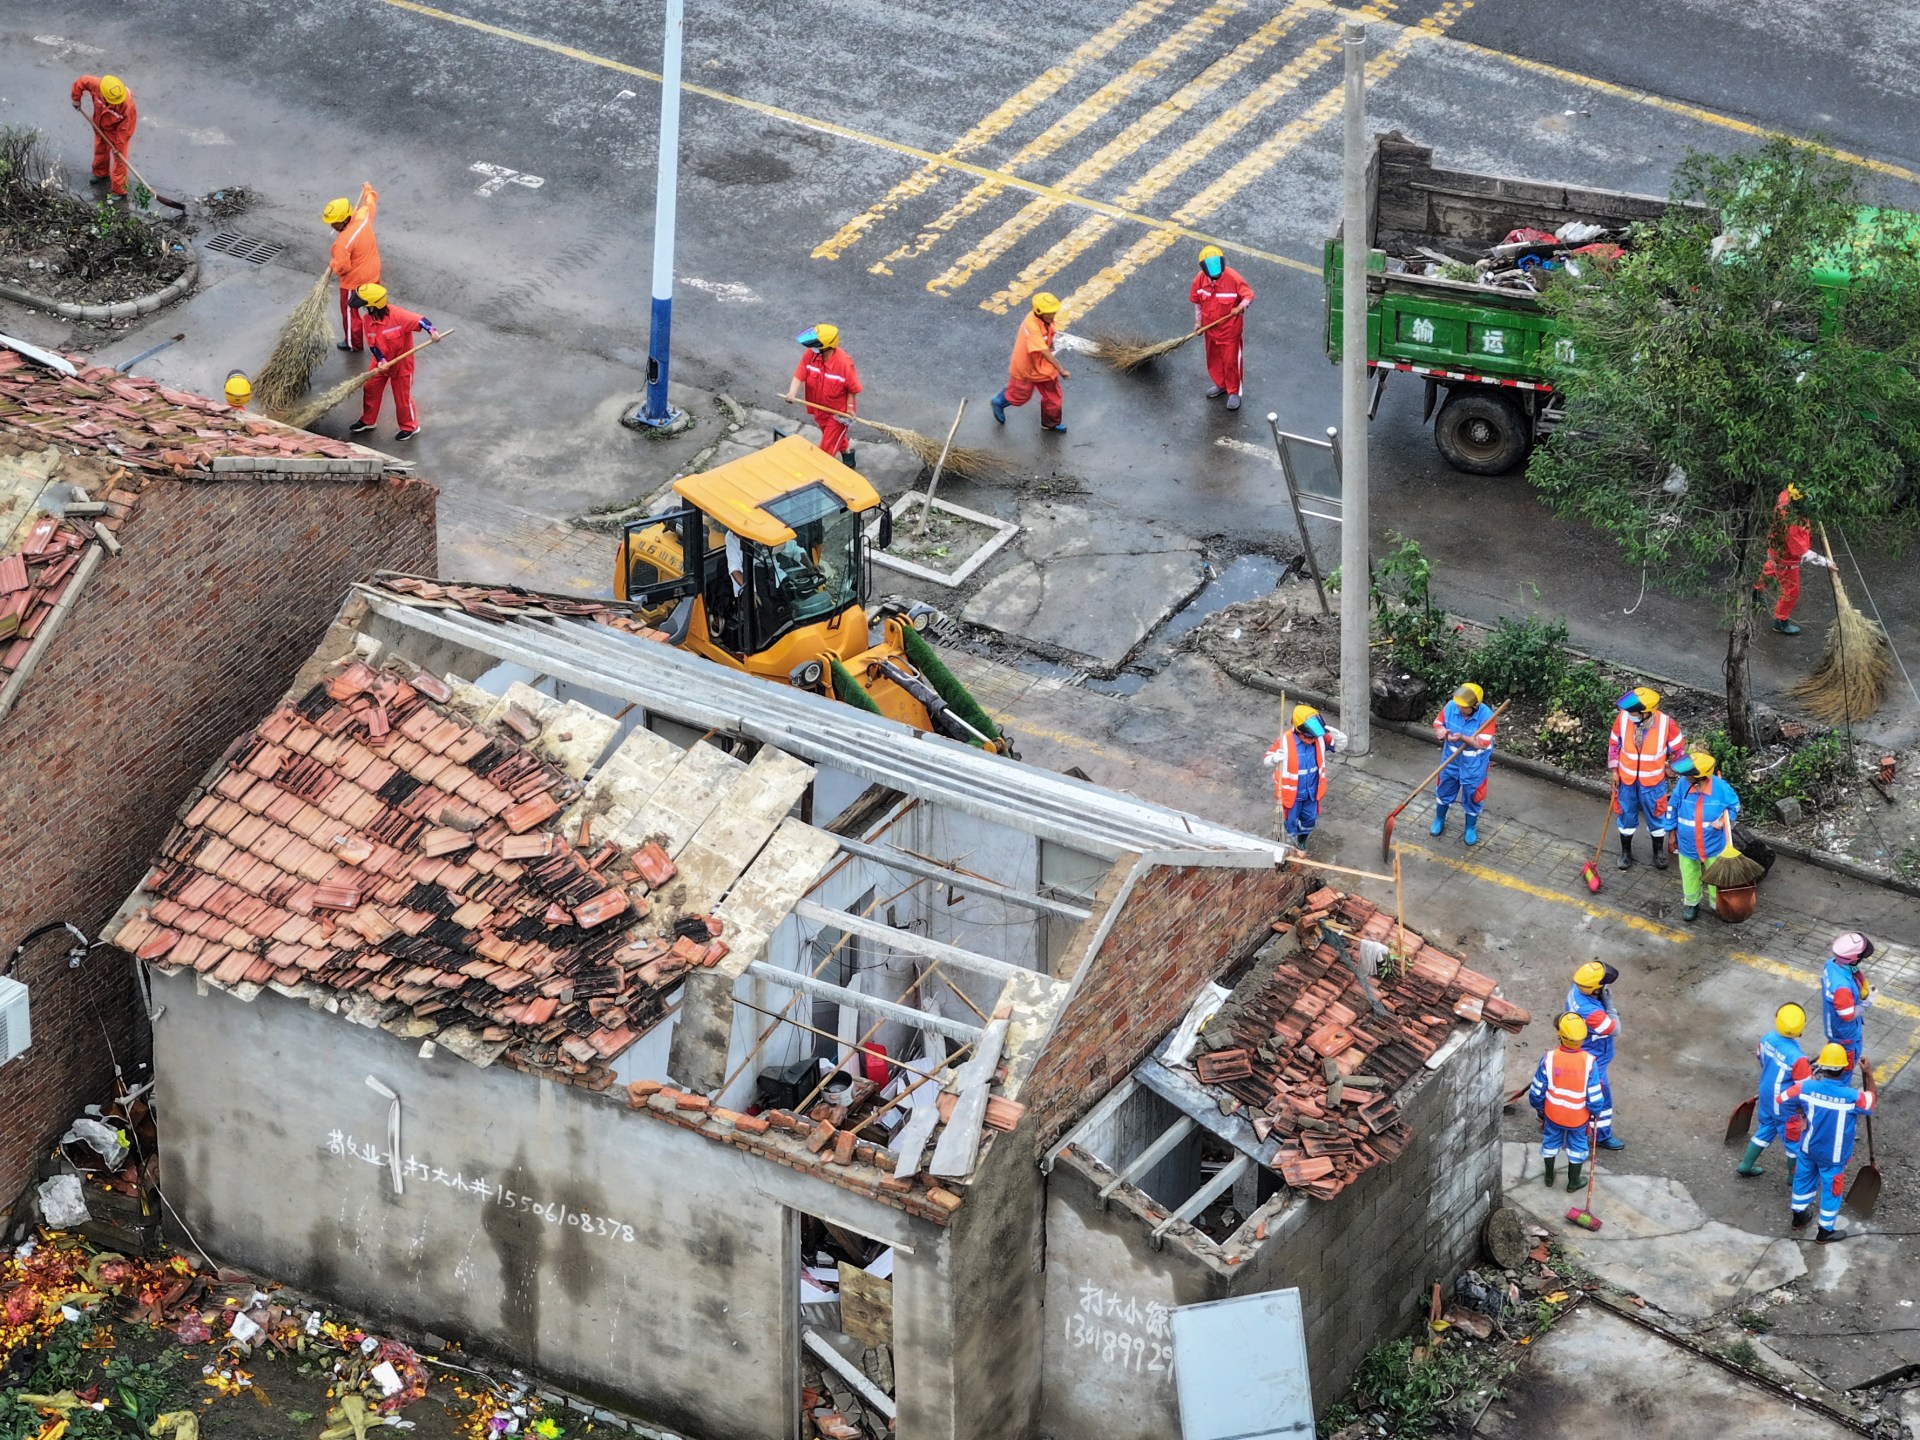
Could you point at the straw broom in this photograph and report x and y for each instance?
(1855, 668)
(965, 461)
(304, 341)
(306, 415)
(1126, 353)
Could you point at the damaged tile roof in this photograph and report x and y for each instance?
(503, 602)
(146, 424)
(365, 847)
(38, 572)
(1313, 1055)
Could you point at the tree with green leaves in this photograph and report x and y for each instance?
(1765, 331)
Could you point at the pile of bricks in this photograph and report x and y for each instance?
(811, 1142)
(1313, 1054)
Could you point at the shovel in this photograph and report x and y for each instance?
(1741, 1121)
(1386, 830)
(1864, 1194)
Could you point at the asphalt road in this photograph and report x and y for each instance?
(1089, 150)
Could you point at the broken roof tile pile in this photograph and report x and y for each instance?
(505, 602)
(1315, 1055)
(144, 423)
(364, 846)
(36, 575)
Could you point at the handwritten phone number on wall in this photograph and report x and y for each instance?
(1121, 1348)
(344, 1146)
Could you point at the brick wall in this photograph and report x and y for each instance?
(175, 648)
(1180, 926)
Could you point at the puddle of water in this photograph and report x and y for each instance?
(1245, 578)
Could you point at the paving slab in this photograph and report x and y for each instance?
(1086, 584)
(1654, 1240)
(1595, 1374)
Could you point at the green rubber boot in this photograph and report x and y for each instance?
(1574, 1175)
(1550, 1164)
(1750, 1162)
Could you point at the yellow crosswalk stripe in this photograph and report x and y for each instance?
(1138, 134)
(1255, 163)
(1037, 92)
(1123, 87)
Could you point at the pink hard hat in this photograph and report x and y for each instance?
(1852, 946)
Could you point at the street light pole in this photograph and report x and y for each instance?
(657, 413)
(1355, 676)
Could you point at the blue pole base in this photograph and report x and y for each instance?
(674, 421)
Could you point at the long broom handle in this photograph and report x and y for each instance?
(433, 339)
(127, 160)
(1499, 710)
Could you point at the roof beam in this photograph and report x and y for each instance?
(872, 1004)
(1182, 1127)
(950, 875)
(1207, 1193)
(909, 942)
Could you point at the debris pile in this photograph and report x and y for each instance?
(1524, 260)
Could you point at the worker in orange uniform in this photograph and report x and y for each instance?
(1644, 742)
(355, 258)
(828, 380)
(1790, 543)
(114, 116)
(1035, 369)
(1298, 760)
(390, 332)
(1220, 296)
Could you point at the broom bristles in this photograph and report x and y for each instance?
(302, 344)
(308, 413)
(1127, 353)
(1855, 669)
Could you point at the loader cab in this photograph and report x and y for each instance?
(762, 564)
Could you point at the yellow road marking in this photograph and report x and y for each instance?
(1255, 163)
(1035, 93)
(847, 132)
(1554, 897)
(1075, 122)
(1129, 141)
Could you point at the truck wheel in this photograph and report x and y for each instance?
(1480, 433)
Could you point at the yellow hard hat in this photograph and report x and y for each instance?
(239, 389)
(1470, 692)
(828, 335)
(1211, 252)
(1833, 1057)
(1302, 714)
(372, 293)
(113, 90)
(1590, 976)
(1703, 763)
(336, 211)
(1046, 303)
(1648, 698)
(1794, 492)
(1573, 1030)
(1790, 1019)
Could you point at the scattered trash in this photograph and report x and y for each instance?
(62, 1205)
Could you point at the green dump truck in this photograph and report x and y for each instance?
(1482, 351)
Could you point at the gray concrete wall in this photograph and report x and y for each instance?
(690, 1322)
(1362, 1261)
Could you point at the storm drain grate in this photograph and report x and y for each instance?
(244, 247)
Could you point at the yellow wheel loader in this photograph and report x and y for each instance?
(763, 566)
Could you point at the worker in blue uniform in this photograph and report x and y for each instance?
(1464, 728)
(1833, 1110)
(1591, 998)
(1782, 1062)
(1845, 993)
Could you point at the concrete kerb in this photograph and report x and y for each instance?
(120, 310)
(1553, 774)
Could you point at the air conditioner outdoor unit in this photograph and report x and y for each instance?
(16, 1031)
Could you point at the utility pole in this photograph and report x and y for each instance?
(1355, 673)
(656, 413)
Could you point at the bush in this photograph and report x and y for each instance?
(1810, 775)
(1523, 658)
(1580, 716)
(1735, 765)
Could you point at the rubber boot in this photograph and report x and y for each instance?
(999, 404)
(1828, 1235)
(1575, 1174)
(1750, 1162)
(1800, 1218)
(1626, 852)
(1659, 852)
(1472, 833)
(1300, 840)
(1550, 1163)
(1439, 819)
(846, 458)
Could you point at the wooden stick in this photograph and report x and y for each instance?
(127, 160)
(1294, 857)
(829, 1035)
(1399, 911)
(924, 1077)
(933, 485)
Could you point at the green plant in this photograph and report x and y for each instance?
(1733, 764)
(1409, 1387)
(1907, 863)
(1753, 1320)
(1742, 1353)
(1809, 775)
(1523, 658)
(1418, 638)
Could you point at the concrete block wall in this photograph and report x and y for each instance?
(175, 647)
(1180, 926)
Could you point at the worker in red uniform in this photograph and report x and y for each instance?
(355, 258)
(827, 379)
(389, 331)
(1035, 369)
(114, 116)
(1790, 543)
(1220, 296)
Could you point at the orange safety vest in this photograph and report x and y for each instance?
(1568, 1072)
(1644, 759)
(1286, 775)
